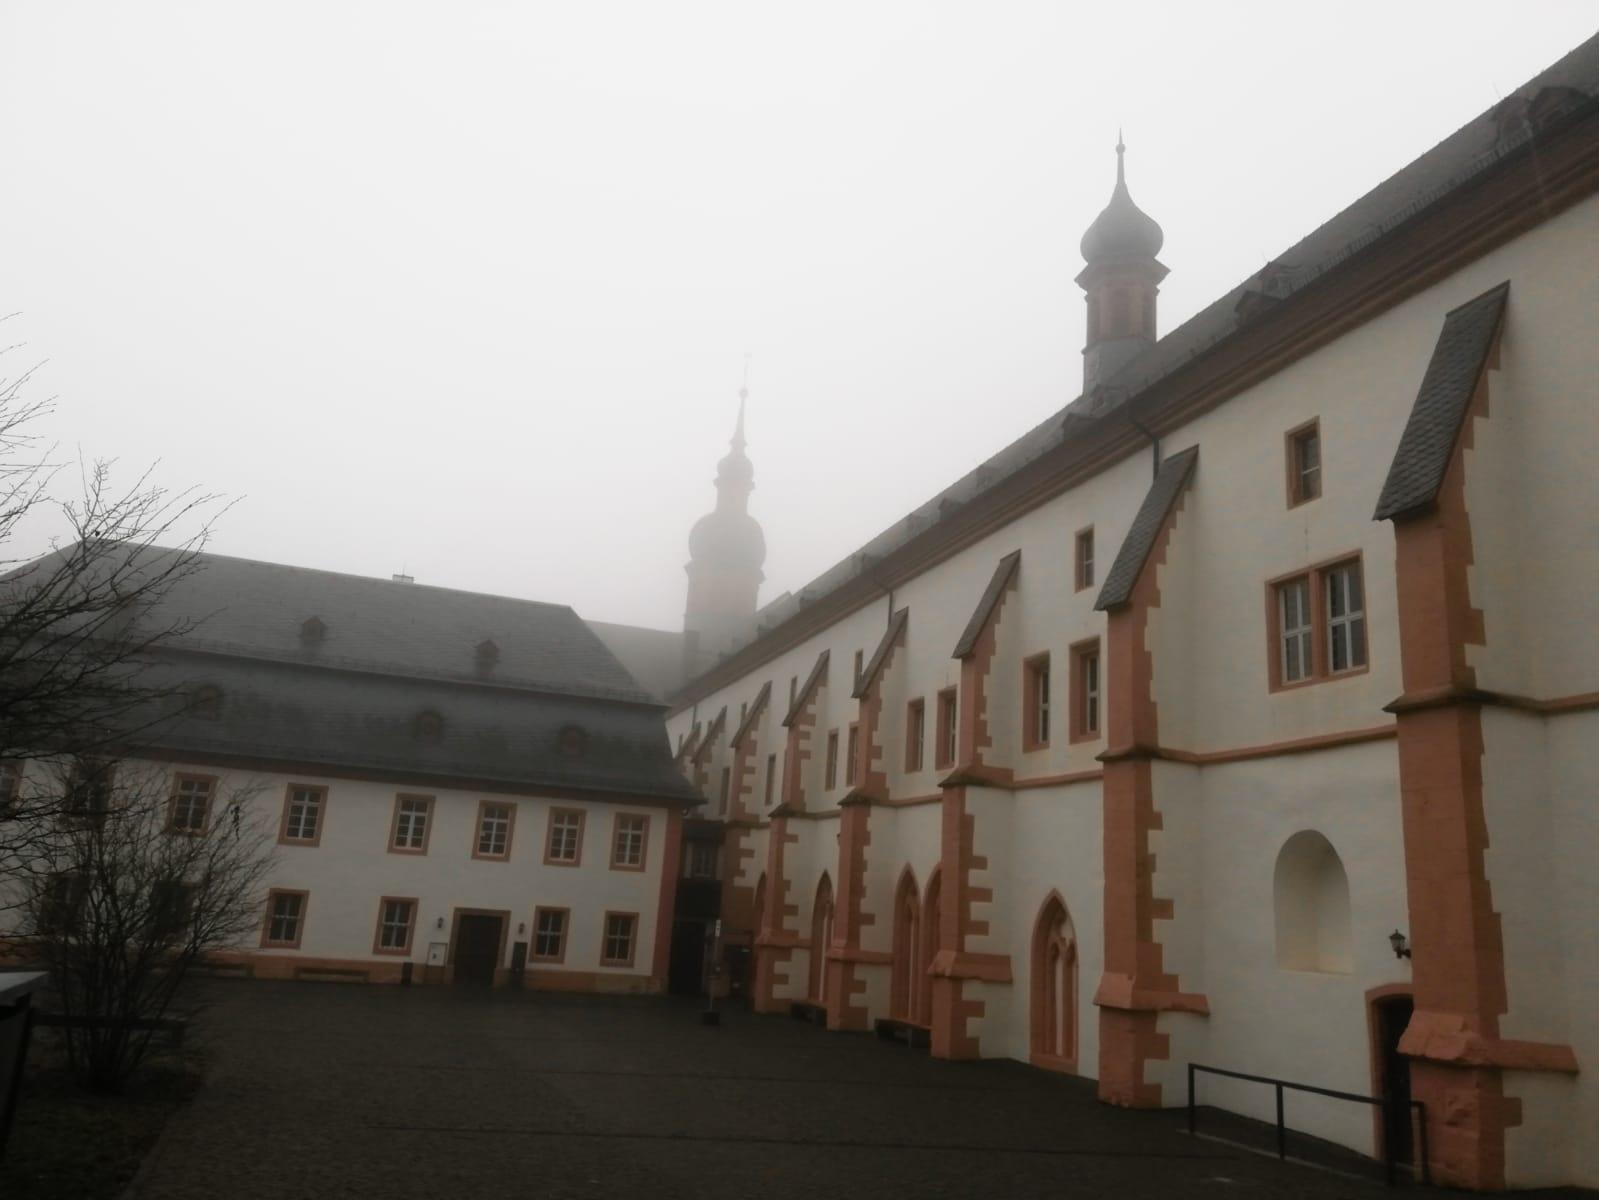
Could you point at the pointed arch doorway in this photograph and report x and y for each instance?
(1054, 988)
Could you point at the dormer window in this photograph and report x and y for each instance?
(571, 741)
(487, 654)
(207, 703)
(428, 726)
(312, 631)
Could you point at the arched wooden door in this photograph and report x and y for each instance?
(821, 938)
(904, 985)
(1054, 988)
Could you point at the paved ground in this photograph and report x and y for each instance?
(329, 1090)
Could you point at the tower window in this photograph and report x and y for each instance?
(831, 775)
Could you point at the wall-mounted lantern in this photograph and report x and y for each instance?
(1397, 941)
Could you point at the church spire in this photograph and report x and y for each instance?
(1122, 280)
(726, 552)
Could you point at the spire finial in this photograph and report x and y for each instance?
(1121, 149)
(743, 395)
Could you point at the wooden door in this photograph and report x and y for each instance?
(477, 947)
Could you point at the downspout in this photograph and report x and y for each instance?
(1154, 442)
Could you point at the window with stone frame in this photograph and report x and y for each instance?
(549, 934)
(621, 930)
(565, 846)
(629, 841)
(189, 810)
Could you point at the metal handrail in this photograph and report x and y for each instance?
(1383, 1102)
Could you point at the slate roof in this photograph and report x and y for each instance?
(1456, 366)
(364, 723)
(985, 606)
(653, 657)
(896, 627)
(1479, 145)
(548, 707)
(803, 696)
(254, 609)
(1168, 484)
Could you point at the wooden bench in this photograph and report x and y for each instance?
(331, 975)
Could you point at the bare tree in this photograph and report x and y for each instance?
(151, 873)
(79, 617)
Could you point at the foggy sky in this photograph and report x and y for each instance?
(466, 289)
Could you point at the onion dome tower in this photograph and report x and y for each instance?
(1122, 280)
(726, 551)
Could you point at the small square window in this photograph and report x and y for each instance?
(1304, 464)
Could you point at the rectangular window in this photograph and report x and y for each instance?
(1318, 624)
(948, 730)
(627, 844)
(285, 923)
(1035, 703)
(860, 665)
(396, 921)
(1085, 691)
(494, 822)
(832, 760)
(302, 814)
(915, 734)
(617, 949)
(1304, 464)
(89, 788)
(565, 846)
(549, 934)
(852, 754)
(1294, 629)
(1346, 619)
(727, 784)
(413, 822)
(771, 777)
(171, 907)
(1085, 558)
(190, 808)
(793, 689)
(702, 860)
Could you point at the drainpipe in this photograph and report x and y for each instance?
(1154, 442)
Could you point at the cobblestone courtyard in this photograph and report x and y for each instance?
(328, 1090)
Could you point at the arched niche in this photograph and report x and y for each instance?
(1311, 900)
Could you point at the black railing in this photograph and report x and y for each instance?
(1390, 1164)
